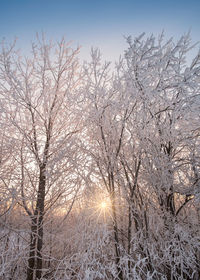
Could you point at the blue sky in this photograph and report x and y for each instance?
(101, 23)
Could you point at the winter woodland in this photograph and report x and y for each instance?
(100, 165)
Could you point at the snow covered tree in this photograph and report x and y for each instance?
(38, 94)
(143, 129)
(100, 167)
(166, 129)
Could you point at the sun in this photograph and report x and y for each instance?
(103, 205)
(103, 209)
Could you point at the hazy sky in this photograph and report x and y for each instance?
(101, 23)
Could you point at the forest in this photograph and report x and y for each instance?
(100, 163)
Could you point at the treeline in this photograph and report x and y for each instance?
(100, 166)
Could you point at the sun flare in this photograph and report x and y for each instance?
(103, 205)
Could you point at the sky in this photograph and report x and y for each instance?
(102, 23)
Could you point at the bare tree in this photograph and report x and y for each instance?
(38, 94)
(142, 126)
(101, 168)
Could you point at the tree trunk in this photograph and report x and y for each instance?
(34, 270)
(116, 236)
